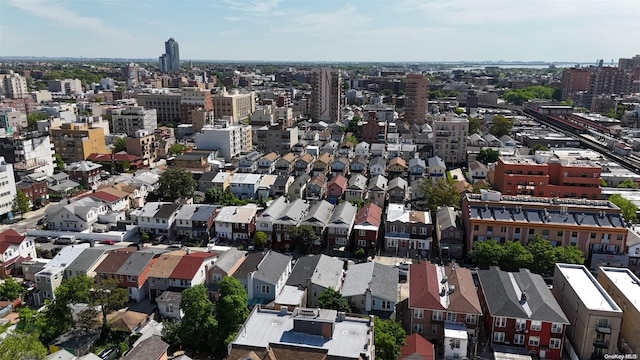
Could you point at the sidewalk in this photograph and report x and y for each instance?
(31, 215)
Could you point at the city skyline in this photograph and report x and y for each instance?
(285, 30)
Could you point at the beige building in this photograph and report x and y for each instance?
(14, 86)
(326, 94)
(236, 105)
(134, 118)
(200, 118)
(595, 318)
(230, 141)
(415, 107)
(76, 141)
(450, 139)
(275, 139)
(624, 288)
(167, 106)
(143, 144)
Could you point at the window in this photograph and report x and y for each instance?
(434, 329)
(169, 308)
(534, 340)
(451, 316)
(556, 328)
(554, 343)
(386, 304)
(521, 324)
(362, 243)
(266, 289)
(604, 322)
(419, 328)
(455, 343)
(418, 314)
(476, 227)
(535, 325)
(470, 319)
(503, 229)
(592, 235)
(501, 322)
(362, 232)
(531, 232)
(560, 233)
(518, 339)
(498, 337)
(436, 316)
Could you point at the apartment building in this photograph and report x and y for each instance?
(193, 98)
(416, 90)
(374, 130)
(76, 141)
(326, 94)
(275, 139)
(594, 226)
(143, 144)
(539, 175)
(29, 153)
(450, 139)
(134, 118)
(167, 105)
(624, 288)
(14, 86)
(229, 140)
(65, 86)
(7, 188)
(236, 105)
(594, 317)
(12, 121)
(574, 80)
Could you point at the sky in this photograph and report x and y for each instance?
(324, 30)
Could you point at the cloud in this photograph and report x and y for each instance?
(340, 22)
(68, 18)
(252, 6)
(232, 18)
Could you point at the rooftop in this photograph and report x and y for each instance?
(626, 282)
(587, 288)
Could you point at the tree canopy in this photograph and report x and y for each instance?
(627, 208)
(388, 337)
(176, 149)
(488, 155)
(628, 184)
(59, 163)
(474, 125)
(332, 299)
(10, 290)
(198, 328)
(119, 144)
(260, 239)
(21, 345)
(537, 147)
(217, 196)
(34, 117)
(500, 126)
(109, 296)
(20, 203)
(436, 193)
(232, 309)
(75, 290)
(175, 183)
(304, 236)
(520, 96)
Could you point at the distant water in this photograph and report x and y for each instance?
(519, 66)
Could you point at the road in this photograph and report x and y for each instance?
(29, 221)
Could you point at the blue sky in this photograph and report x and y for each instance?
(324, 30)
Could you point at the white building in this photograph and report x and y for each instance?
(49, 278)
(7, 187)
(14, 86)
(66, 86)
(12, 120)
(133, 118)
(244, 186)
(230, 141)
(450, 139)
(263, 116)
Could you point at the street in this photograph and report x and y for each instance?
(29, 221)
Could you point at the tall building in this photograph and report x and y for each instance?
(415, 107)
(450, 139)
(326, 94)
(142, 143)
(76, 141)
(192, 99)
(238, 106)
(12, 120)
(14, 86)
(29, 153)
(574, 80)
(7, 188)
(633, 62)
(170, 60)
(134, 118)
(131, 74)
(66, 86)
(230, 141)
(167, 106)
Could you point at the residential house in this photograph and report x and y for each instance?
(169, 306)
(192, 269)
(195, 161)
(34, 187)
(303, 164)
(195, 221)
(377, 190)
(316, 188)
(131, 268)
(359, 165)
(398, 190)
(371, 288)
(378, 166)
(244, 186)
(281, 185)
(285, 164)
(478, 171)
(449, 233)
(321, 165)
(265, 187)
(267, 163)
(157, 218)
(236, 223)
(330, 147)
(205, 182)
(79, 215)
(60, 184)
(159, 276)
(444, 307)
(290, 218)
(298, 188)
(86, 262)
(221, 180)
(407, 232)
(85, 173)
(137, 192)
(226, 265)
(13, 249)
(151, 348)
(417, 168)
(115, 199)
(317, 217)
(51, 276)
(476, 140)
(340, 225)
(264, 280)
(379, 150)
(340, 166)
(264, 221)
(249, 162)
(437, 168)
(362, 149)
(367, 226)
(492, 141)
(417, 347)
(519, 310)
(316, 274)
(336, 188)
(346, 150)
(356, 188)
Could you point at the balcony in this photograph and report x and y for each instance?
(601, 344)
(603, 329)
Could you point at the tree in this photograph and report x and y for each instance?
(10, 290)
(474, 125)
(627, 208)
(75, 290)
(21, 345)
(388, 338)
(87, 318)
(515, 257)
(144, 237)
(459, 111)
(488, 155)
(34, 117)
(603, 183)
(198, 327)
(304, 236)
(219, 197)
(569, 255)
(295, 83)
(436, 193)
(176, 149)
(175, 183)
(358, 203)
(260, 239)
(231, 309)
(59, 163)
(108, 296)
(487, 253)
(333, 300)
(20, 204)
(628, 184)
(500, 126)
(56, 320)
(537, 147)
(352, 139)
(119, 144)
(520, 96)
(543, 255)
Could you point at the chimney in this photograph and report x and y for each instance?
(283, 310)
(523, 297)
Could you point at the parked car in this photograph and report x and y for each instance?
(158, 239)
(403, 265)
(65, 240)
(44, 239)
(107, 242)
(42, 221)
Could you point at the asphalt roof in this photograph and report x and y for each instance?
(249, 264)
(166, 210)
(272, 267)
(152, 348)
(85, 260)
(321, 269)
(382, 280)
(135, 264)
(227, 259)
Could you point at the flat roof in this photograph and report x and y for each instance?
(587, 288)
(626, 282)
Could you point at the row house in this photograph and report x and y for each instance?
(371, 287)
(519, 310)
(264, 221)
(316, 188)
(290, 218)
(34, 187)
(437, 168)
(449, 233)
(79, 215)
(225, 265)
(417, 168)
(160, 272)
(264, 275)
(195, 221)
(330, 147)
(397, 168)
(444, 307)
(249, 162)
(114, 199)
(362, 149)
(265, 187)
(356, 188)
(378, 166)
(285, 164)
(157, 218)
(346, 149)
(340, 166)
(281, 185)
(336, 188)
(235, 222)
(398, 190)
(136, 192)
(321, 165)
(340, 225)
(297, 189)
(244, 186)
(267, 163)
(86, 263)
(408, 231)
(131, 268)
(221, 181)
(367, 226)
(379, 150)
(377, 190)
(303, 164)
(51, 276)
(13, 249)
(315, 274)
(318, 217)
(192, 269)
(478, 171)
(359, 165)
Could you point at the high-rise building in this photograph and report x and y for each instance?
(29, 153)
(76, 141)
(12, 120)
(230, 141)
(170, 60)
(132, 75)
(167, 106)
(574, 80)
(14, 86)
(7, 188)
(415, 108)
(450, 139)
(193, 98)
(237, 105)
(633, 62)
(326, 94)
(66, 86)
(134, 118)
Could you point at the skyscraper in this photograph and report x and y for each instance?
(326, 95)
(170, 60)
(415, 108)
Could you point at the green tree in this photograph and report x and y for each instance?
(231, 311)
(520, 96)
(500, 126)
(603, 183)
(34, 117)
(436, 193)
(543, 255)
(198, 327)
(538, 147)
(260, 239)
(87, 318)
(352, 139)
(333, 300)
(515, 257)
(20, 345)
(176, 149)
(628, 184)
(304, 236)
(474, 125)
(75, 290)
(59, 163)
(459, 111)
(358, 203)
(119, 144)
(175, 183)
(56, 320)
(569, 255)
(144, 237)
(627, 208)
(487, 253)
(219, 197)
(388, 338)
(20, 204)
(10, 290)
(108, 296)
(295, 83)
(352, 125)
(488, 155)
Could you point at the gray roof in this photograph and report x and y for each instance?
(322, 270)
(343, 215)
(281, 180)
(294, 212)
(302, 179)
(274, 209)
(86, 259)
(446, 218)
(227, 259)
(379, 182)
(170, 296)
(417, 161)
(196, 212)
(149, 349)
(272, 267)
(380, 279)
(357, 181)
(398, 182)
(378, 160)
(436, 161)
(502, 291)
(63, 186)
(207, 177)
(250, 263)
(166, 210)
(319, 213)
(135, 264)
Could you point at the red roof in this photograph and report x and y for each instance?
(187, 267)
(121, 156)
(424, 287)
(104, 196)
(339, 180)
(112, 263)
(10, 237)
(417, 347)
(370, 213)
